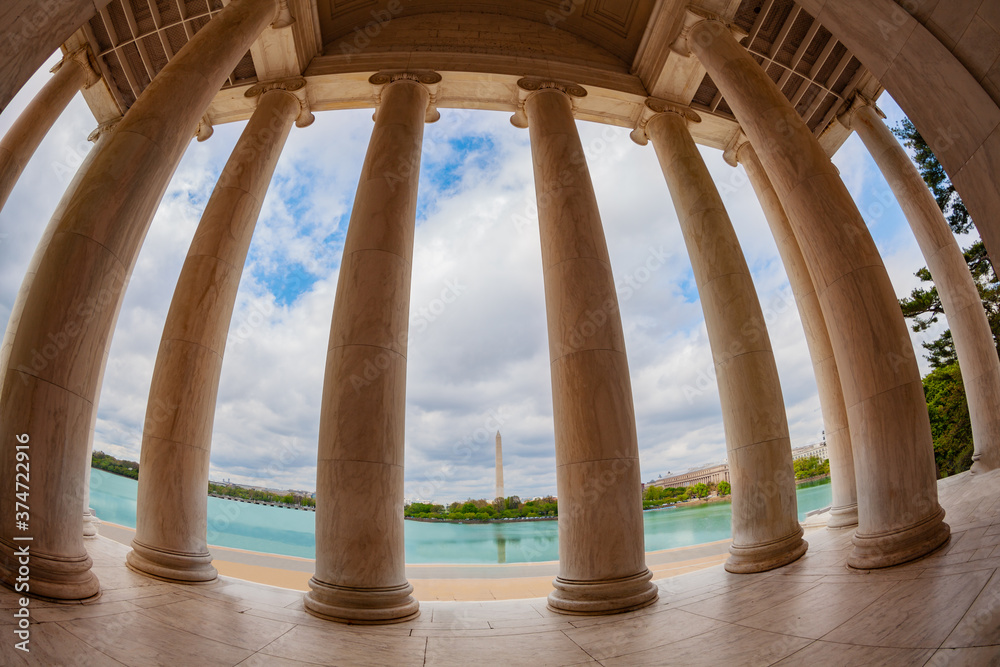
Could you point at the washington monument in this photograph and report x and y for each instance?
(499, 468)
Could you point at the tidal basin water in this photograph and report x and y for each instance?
(293, 532)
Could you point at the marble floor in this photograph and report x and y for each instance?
(509, 581)
(941, 610)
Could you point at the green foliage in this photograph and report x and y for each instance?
(724, 488)
(106, 462)
(924, 307)
(259, 496)
(811, 466)
(935, 177)
(699, 490)
(947, 407)
(951, 426)
(657, 496)
(484, 510)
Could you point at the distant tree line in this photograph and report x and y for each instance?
(485, 510)
(130, 469)
(108, 463)
(257, 495)
(811, 466)
(658, 496)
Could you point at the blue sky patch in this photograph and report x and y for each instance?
(288, 284)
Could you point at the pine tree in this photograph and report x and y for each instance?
(947, 406)
(924, 304)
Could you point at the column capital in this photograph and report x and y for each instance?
(695, 16)
(653, 107)
(529, 85)
(858, 101)
(205, 129)
(82, 58)
(103, 129)
(295, 86)
(731, 153)
(429, 79)
(282, 15)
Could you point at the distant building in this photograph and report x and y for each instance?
(710, 475)
(817, 449)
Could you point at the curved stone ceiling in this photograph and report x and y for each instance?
(615, 25)
(621, 51)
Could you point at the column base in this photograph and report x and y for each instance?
(764, 557)
(361, 606)
(843, 517)
(90, 524)
(55, 579)
(980, 466)
(615, 596)
(177, 568)
(901, 546)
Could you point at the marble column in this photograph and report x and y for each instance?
(99, 137)
(31, 32)
(22, 139)
(766, 531)
(899, 517)
(171, 519)
(955, 109)
(844, 508)
(602, 560)
(51, 379)
(963, 308)
(360, 562)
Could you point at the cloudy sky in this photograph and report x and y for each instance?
(476, 361)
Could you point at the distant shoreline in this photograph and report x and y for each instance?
(812, 479)
(264, 502)
(692, 501)
(270, 503)
(517, 520)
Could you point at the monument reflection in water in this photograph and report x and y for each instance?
(292, 532)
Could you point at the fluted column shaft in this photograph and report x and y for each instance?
(360, 560)
(766, 531)
(602, 565)
(66, 323)
(844, 510)
(977, 353)
(899, 517)
(171, 519)
(27, 132)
